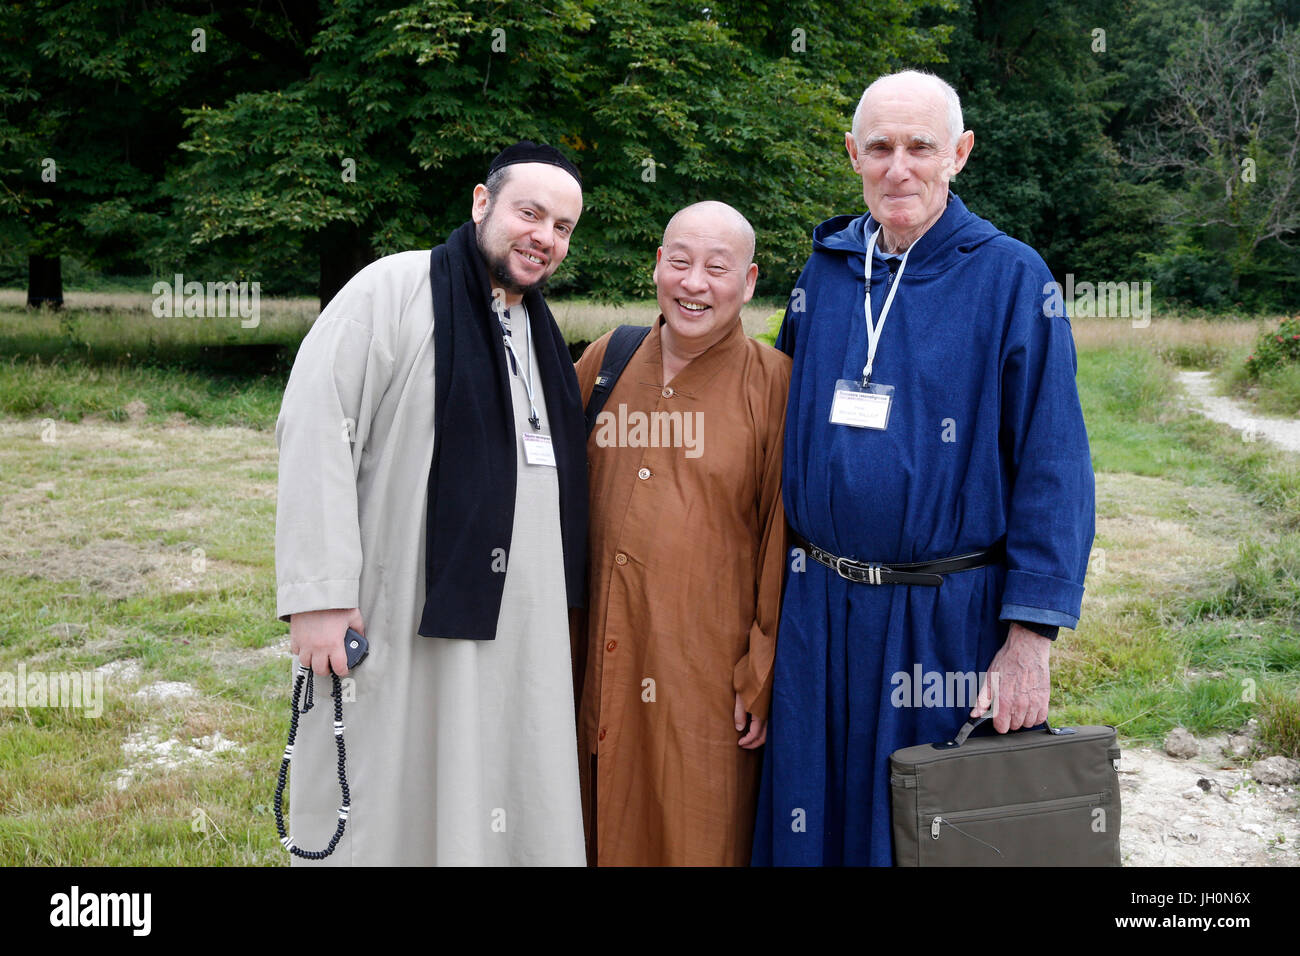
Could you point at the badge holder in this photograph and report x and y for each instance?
(861, 406)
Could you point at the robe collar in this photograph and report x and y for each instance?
(957, 231)
(692, 380)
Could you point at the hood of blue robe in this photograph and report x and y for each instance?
(958, 233)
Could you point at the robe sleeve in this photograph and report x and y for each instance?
(794, 307)
(752, 677)
(1050, 521)
(340, 374)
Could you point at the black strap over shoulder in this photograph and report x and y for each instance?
(622, 344)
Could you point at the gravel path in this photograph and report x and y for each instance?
(1283, 432)
(1204, 811)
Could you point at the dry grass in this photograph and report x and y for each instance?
(303, 309)
(1164, 334)
(131, 313)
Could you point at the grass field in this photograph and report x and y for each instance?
(137, 539)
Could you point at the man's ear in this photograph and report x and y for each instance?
(964, 144)
(482, 199)
(751, 277)
(659, 257)
(851, 146)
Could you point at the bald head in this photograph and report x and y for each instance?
(719, 220)
(704, 274)
(914, 83)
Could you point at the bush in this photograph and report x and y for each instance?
(773, 328)
(1276, 349)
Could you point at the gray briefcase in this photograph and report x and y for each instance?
(1030, 798)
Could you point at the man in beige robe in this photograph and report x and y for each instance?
(686, 557)
(459, 752)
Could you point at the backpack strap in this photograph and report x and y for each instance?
(622, 344)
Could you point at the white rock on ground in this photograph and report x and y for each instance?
(1277, 770)
(166, 690)
(146, 751)
(120, 670)
(1180, 743)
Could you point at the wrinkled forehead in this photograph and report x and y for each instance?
(904, 110)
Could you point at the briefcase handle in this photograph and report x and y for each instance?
(970, 725)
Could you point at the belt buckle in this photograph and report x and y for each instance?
(865, 573)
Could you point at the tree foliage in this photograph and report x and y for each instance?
(660, 103)
(300, 138)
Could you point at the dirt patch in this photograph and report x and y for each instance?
(1203, 811)
(147, 751)
(115, 569)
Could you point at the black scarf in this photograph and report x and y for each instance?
(472, 477)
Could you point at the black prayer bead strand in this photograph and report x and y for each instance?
(304, 674)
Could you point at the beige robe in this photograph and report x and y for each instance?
(687, 550)
(458, 752)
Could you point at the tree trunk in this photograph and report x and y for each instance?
(344, 252)
(44, 281)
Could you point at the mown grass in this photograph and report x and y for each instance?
(1210, 639)
(133, 536)
(71, 390)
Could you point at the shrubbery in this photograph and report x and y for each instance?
(1276, 349)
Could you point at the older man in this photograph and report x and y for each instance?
(432, 495)
(687, 548)
(937, 479)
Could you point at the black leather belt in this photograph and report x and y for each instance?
(928, 573)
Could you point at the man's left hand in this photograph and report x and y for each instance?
(757, 735)
(1018, 684)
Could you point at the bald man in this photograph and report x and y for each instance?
(686, 548)
(938, 481)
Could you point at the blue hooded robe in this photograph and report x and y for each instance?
(985, 443)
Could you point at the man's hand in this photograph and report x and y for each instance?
(757, 735)
(1020, 682)
(316, 638)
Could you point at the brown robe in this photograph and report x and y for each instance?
(686, 557)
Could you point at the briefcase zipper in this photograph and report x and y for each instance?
(1013, 810)
(934, 833)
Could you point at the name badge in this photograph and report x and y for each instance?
(861, 406)
(538, 450)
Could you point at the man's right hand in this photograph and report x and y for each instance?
(316, 638)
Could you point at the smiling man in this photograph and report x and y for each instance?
(687, 542)
(433, 496)
(937, 481)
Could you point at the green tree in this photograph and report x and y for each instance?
(90, 121)
(1033, 80)
(1229, 126)
(661, 104)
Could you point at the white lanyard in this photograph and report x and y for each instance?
(533, 418)
(875, 328)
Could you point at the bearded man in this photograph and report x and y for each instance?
(432, 495)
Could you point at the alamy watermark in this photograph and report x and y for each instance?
(130, 910)
(1113, 300)
(212, 300)
(922, 688)
(637, 429)
(83, 691)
